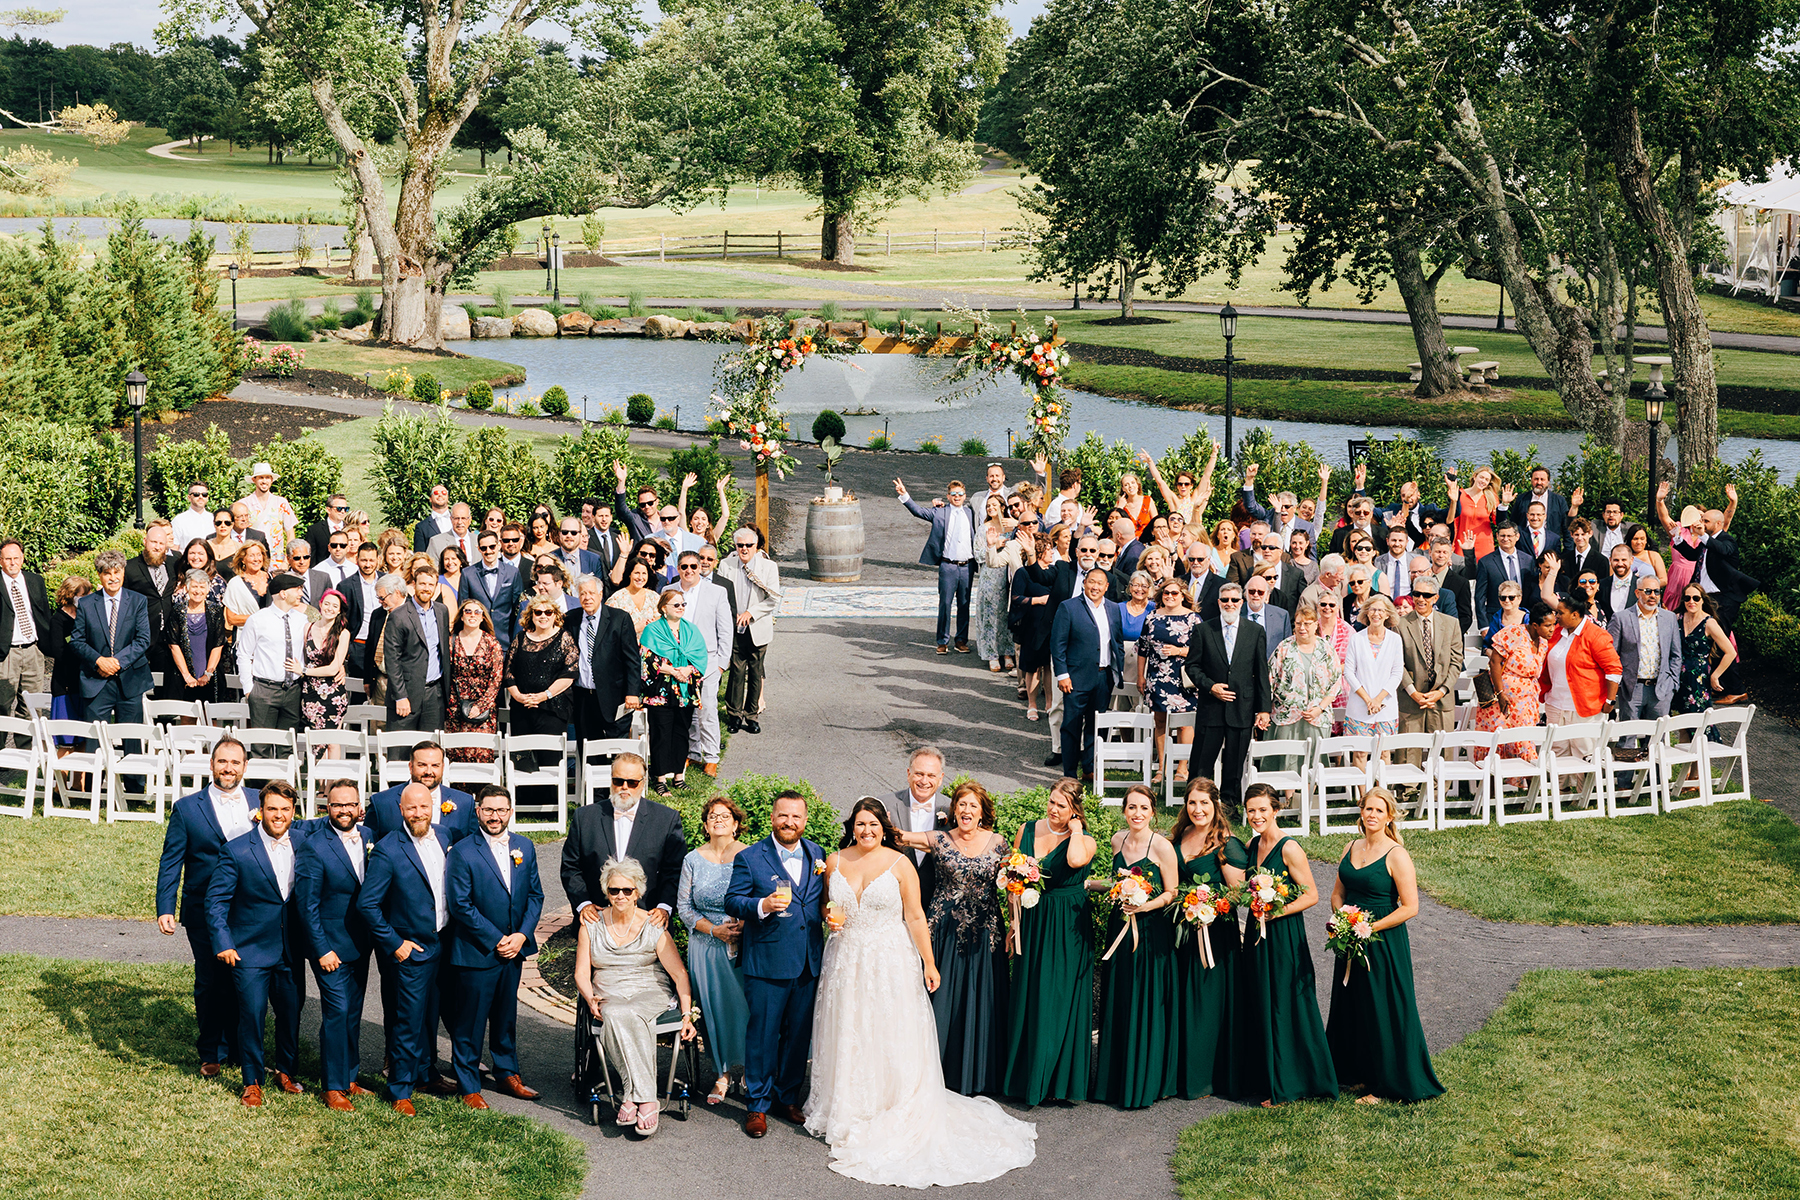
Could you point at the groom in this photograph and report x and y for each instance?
(782, 941)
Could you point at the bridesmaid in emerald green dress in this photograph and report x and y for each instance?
(1136, 1064)
(1206, 1009)
(1377, 1043)
(1287, 1056)
(1050, 1033)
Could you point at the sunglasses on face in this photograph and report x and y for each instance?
(339, 545)
(624, 891)
(667, 517)
(1587, 579)
(1691, 599)
(627, 780)
(693, 566)
(197, 495)
(1231, 599)
(514, 538)
(744, 545)
(340, 508)
(220, 524)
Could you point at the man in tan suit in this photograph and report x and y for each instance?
(1431, 646)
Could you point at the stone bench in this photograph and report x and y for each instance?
(1482, 374)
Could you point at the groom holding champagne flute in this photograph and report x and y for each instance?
(777, 891)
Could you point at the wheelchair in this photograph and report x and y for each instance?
(594, 1076)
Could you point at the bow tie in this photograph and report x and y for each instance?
(281, 841)
(786, 854)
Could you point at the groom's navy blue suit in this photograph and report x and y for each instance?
(780, 959)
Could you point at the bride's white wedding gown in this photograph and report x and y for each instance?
(878, 1096)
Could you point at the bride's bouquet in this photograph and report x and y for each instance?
(1019, 882)
(1198, 908)
(1348, 935)
(1132, 888)
(1266, 894)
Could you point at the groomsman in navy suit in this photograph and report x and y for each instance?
(250, 906)
(426, 765)
(496, 898)
(1087, 653)
(199, 826)
(404, 901)
(783, 940)
(328, 874)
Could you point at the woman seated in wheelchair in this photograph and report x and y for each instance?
(623, 968)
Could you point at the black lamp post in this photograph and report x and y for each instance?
(1228, 327)
(556, 262)
(136, 388)
(1500, 320)
(232, 271)
(1653, 412)
(1077, 304)
(549, 260)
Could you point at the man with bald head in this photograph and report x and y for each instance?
(405, 904)
(436, 521)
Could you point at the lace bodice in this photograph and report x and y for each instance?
(964, 900)
(879, 910)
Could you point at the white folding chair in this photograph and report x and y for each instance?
(1398, 774)
(1533, 793)
(1588, 772)
(62, 798)
(27, 758)
(190, 756)
(1174, 751)
(468, 776)
(1680, 763)
(1641, 770)
(1127, 738)
(169, 712)
(1724, 754)
(233, 716)
(1454, 761)
(37, 703)
(352, 762)
(1290, 770)
(524, 771)
(1335, 771)
(391, 771)
(273, 755)
(365, 717)
(148, 762)
(596, 777)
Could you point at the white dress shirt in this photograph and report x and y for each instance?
(1703, 577)
(1621, 591)
(24, 631)
(1610, 538)
(1104, 626)
(501, 848)
(623, 822)
(1398, 571)
(1557, 663)
(231, 811)
(1230, 631)
(369, 604)
(959, 544)
(432, 855)
(921, 817)
(281, 856)
(266, 641)
(189, 525)
(353, 846)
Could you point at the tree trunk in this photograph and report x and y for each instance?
(1128, 277)
(1690, 341)
(1419, 293)
(362, 254)
(837, 238)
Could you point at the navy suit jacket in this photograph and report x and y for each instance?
(89, 642)
(777, 946)
(1491, 572)
(383, 813)
(1556, 512)
(325, 889)
(396, 901)
(1553, 543)
(940, 518)
(501, 601)
(1277, 625)
(483, 910)
(1075, 645)
(191, 846)
(244, 907)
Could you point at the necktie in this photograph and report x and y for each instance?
(24, 630)
(587, 639)
(1512, 567)
(1425, 644)
(287, 673)
(1258, 618)
(112, 622)
(1230, 640)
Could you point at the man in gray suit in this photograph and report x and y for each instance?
(1277, 624)
(461, 535)
(1648, 639)
(1431, 652)
(921, 806)
(417, 653)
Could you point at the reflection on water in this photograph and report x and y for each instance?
(905, 389)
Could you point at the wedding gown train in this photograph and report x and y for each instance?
(878, 1096)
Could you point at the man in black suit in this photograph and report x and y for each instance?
(435, 522)
(417, 649)
(624, 825)
(1453, 578)
(496, 586)
(610, 675)
(1063, 580)
(337, 507)
(24, 632)
(1417, 517)
(240, 526)
(1231, 673)
(1579, 553)
(156, 577)
(1556, 508)
(603, 539)
(1286, 581)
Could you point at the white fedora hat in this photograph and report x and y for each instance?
(263, 468)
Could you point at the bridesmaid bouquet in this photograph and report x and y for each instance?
(1019, 881)
(1131, 887)
(1265, 894)
(1348, 935)
(1200, 906)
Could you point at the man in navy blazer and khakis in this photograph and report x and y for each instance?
(328, 876)
(952, 547)
(496, 898)
(1087, 665)
(251, 910)
(112, 640)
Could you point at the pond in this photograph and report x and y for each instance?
(904, 390)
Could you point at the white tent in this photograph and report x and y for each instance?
(1760, 223)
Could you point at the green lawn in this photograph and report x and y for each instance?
(1661, 870)
(55, 867)
(102, 1097)
(1656, 1085)
(454, 373)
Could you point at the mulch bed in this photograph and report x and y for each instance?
(1133, 321)
(556, 959)
(246, 424)
(826, 264)
(313, 380)
(533, 262)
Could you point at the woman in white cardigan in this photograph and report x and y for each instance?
(1372, 674)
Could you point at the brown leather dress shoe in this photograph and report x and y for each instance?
(474, 1100)
(286, 1083)
(711, 768)
(756, 1124)
(513, 1086)
(338, 1102)
(209, 1070)
(357, 1089)
(405, 1108)
(789, 1112)
(253, 1095)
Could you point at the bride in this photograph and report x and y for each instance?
(878, 1096)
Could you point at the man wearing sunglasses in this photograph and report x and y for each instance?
(196, 520)
(1229, 667)
(757, 582)
(624, 824)
(950, 548)
(709, 611)
(319, 536)
(1648, 639)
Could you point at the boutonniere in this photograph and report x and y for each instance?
(368, 847)
(819, 867)
(256, 814)
(447, 808)
(943, 818)
(518, 857)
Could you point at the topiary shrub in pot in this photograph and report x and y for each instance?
(640, 408)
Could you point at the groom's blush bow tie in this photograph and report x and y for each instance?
(788, 855)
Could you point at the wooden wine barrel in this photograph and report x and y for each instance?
(834, 541)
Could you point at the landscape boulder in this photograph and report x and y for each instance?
(575, 323)
(453, 325)
(661, 326)
(744, 328)
(714, 330)
(493, 327)
(849, 331)
(609, 327)
(534, 322)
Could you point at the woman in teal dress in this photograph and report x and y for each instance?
(1050, 1033)
(1206, 1008)
(1377, 1043)
(1287, 1056)
(713, 939)
(1136, 1064)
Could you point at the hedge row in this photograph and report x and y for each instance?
(307, 473)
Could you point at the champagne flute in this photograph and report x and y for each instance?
(784, 888)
